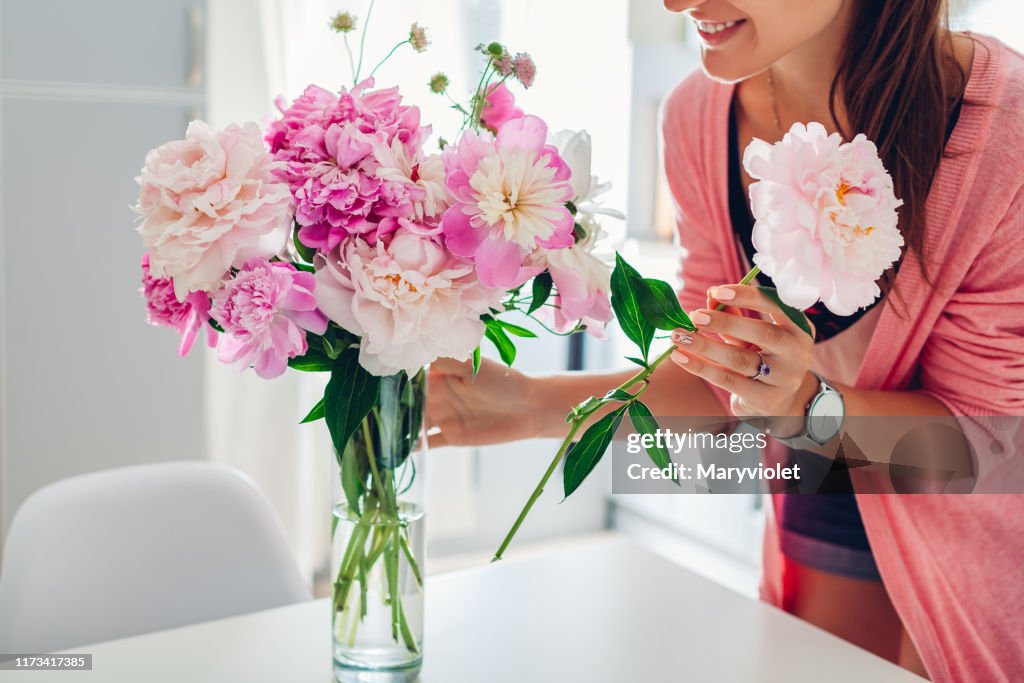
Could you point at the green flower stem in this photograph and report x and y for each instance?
(362, 39)
(747, 279)
(387, 57)
(644, 376)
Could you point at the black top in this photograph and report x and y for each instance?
(826, 323)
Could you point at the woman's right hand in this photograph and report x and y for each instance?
(497, 405)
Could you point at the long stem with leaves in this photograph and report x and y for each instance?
(641, 307)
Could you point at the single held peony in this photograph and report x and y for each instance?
(499, 107)
(330, 146)
(264, 310)
(409, 300)
(825, 217)
(209, 203)
(508, 198)
(186, 317)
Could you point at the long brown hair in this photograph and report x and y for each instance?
(899, 80)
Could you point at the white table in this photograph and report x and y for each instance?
(605, 612)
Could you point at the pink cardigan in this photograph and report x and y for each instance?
(953, 565)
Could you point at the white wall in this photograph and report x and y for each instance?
(85, 90)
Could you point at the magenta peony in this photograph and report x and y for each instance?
(264, 309)
(186, 317)
(209, 203)
(331, 148)
(826, 220)
(409, 299)
(509, 194)
(499, 107)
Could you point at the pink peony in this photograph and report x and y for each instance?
(330, 147)
(264, 309)
(209, 203)
(409, 300)
(826, 220)
(499, 107)
(509, 194)
(186, 317)
(582, 285)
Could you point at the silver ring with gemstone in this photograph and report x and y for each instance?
(764, 368)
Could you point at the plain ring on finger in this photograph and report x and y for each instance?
(764, 368)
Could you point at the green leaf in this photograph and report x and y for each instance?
(506, 349)
(541, 291)
(587, 452)
(618, 395)
(624, 285)
(517, 330)
(584, 408)
(660, 306)
(315, 414)
(303, 267)
(639, 361)
(306, 253)
(314, 360)
(215, 325)
(644, 423)
(476, 361)
(793, 314)
(350, 395)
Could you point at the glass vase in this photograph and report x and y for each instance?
(377, 539)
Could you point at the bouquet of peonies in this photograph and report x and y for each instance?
(334, 241)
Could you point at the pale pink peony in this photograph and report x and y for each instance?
(499, 107)
(330, 148)
(186, 317)
(209, 203)
(508, 198)
(409, 300)
(582, 285)
(826, 220)
(264, 310)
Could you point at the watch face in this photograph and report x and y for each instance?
(825, 416)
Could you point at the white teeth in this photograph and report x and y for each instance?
(708, 27)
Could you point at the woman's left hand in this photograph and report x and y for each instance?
(733, 363)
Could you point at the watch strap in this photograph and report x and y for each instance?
(804, 440)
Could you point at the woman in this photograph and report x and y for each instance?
(920, 580)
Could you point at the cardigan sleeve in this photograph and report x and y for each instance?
(701, 255)
(702, 265)
(973, 361)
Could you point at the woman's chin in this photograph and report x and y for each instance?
(729, 69)
(720, 68)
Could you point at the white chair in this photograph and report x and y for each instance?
(138, 549)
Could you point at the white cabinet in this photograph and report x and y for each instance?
(86, 384)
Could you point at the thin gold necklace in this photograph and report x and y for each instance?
(775, 106)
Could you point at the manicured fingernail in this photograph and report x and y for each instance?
(681, 337)
(723, 293)
(680, 358)
(700, 318)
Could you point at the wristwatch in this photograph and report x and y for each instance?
(824, 418)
